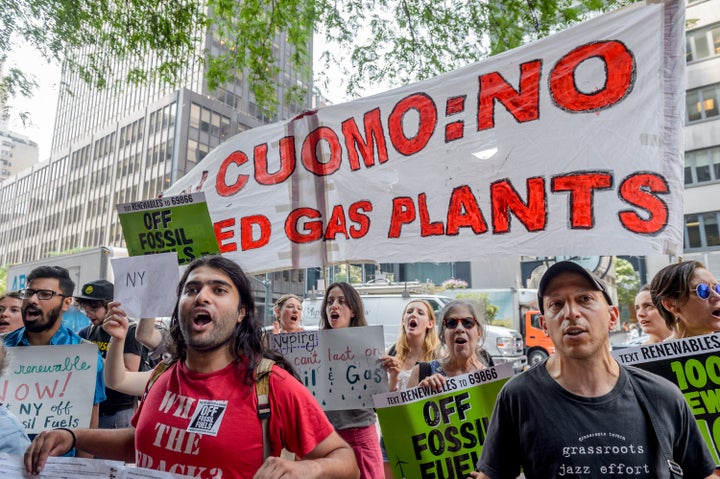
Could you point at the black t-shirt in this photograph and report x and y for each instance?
(550, 432)
(115, 400)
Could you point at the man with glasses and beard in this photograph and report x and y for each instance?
(116, 411)
(47, 296)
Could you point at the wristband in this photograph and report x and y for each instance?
(74, 438)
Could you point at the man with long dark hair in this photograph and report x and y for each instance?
(200, 416)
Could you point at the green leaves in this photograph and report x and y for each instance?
(404, 41)
(395, 42)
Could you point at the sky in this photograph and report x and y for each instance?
(43, 104)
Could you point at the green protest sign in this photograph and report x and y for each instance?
(432, 434)
(694, 365)
(174, 223)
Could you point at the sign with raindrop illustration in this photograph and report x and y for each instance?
(340, 367)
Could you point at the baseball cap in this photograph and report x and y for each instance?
(97, 290)
(565, 267)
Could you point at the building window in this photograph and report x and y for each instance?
(194, 115)
(703, 43)
(702, 166)
(702, 103)
(701, 230)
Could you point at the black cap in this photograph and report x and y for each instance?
(100, 290)
(569, 266)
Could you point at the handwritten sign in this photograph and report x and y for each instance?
(440, 433)
(50, 386)
(175, 223)
(571, 145)
(146, 285)
(694, 365)
(339, 366)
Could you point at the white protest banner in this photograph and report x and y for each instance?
(340, 367)
(50, 386)
(571, 145)
(146, 285)
(694, 365)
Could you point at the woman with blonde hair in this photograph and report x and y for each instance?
(418, 341)
(288, 314)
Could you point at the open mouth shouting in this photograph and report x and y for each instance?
(201, 318)
(334, 318)
(460, 340)
(32, 313)
(574, 332)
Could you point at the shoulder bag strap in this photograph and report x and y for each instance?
(161, 367)
(657, 426)
(262, 390)
(425, 370)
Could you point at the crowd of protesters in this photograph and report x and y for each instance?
(215, 353)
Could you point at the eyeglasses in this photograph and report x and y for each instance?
(452, 323)
(703, 290)
(42, 294)
(89, 305)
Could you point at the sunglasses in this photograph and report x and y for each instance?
(89, 305)
(703, 290)
(452, 323)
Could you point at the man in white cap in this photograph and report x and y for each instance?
(580, 413)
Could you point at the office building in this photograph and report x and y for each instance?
(112, 147)
(17, 153)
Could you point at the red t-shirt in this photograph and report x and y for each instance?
(206, 425)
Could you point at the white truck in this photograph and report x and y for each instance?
(503, 344)
(84, 266)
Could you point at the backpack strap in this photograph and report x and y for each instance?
(425, 370)
(161, 367)
(262, 390)
(657, 426)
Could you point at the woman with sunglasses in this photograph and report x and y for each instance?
(688, 297)
(462, 331)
